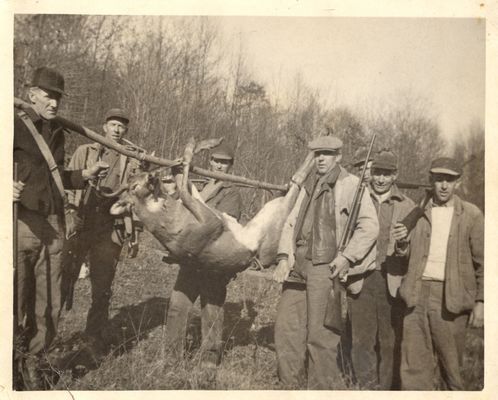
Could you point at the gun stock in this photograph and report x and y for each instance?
(336, 311)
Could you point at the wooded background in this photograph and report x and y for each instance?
(179, 79)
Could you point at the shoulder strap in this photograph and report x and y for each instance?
(47, 154)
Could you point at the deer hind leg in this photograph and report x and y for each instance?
(209, 225)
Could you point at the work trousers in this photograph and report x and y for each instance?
(95, 242)
(39, 260)
(376, 328)
(301, 339)
(430, 331)
(212, 290)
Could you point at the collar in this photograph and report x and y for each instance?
(394, 195)
(457, 205)
(331, 177)
(32, 114)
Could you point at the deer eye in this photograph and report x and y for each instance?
(134, 187)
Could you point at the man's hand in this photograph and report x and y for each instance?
(97, 170)
(339, 267)
(399, 232)
(73, 223)
(476, 319)
(282, 271)
(18, 188)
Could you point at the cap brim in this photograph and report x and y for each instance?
(117, 117)
(384, 166)
(324, 148)
(221, 156)
(441, 170)
(53, 89)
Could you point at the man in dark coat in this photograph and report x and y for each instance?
(193, 282)
(41, 224)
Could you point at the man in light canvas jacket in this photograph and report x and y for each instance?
(307, 254)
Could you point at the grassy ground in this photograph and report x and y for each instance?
(138, 359)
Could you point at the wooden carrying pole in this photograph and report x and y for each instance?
(156, 160)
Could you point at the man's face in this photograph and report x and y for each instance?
(44, 102)
(444, 186)
(220, 164)
(367, 178)
(115, 129)
(325, 160)
(382, 180)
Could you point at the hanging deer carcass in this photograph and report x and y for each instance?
(195, 234)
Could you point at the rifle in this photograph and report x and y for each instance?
(72, 253)
(336, 311)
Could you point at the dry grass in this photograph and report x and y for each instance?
(138, 359)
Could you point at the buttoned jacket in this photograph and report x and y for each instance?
(464, 267)
(360, 250)
(395, 265)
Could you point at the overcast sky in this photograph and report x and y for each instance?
(362, 62)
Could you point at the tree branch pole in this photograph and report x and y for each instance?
(139, 155)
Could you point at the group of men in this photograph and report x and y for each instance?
(410, 294)
(63, 222)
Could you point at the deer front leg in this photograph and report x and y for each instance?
(304, 170)
(187, 159)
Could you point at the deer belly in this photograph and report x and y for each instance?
(225, 255)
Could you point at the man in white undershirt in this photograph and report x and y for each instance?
(444, 285)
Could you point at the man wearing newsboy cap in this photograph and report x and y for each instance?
(376, 312)
(444, 286)
(39, 191)
(211, 288)
(308, 259)
(99, 235)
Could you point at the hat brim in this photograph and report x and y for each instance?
(337, 149)
(447, 171)
(384, 166)
(52, 89)
(221, 156)
(117, 117)
(358, 163)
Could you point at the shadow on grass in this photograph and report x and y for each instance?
(130, 325)
(237, 324)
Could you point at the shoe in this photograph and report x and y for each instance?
(32, 378)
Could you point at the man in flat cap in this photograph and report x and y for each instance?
(444, 285)
(376, 312)
(39, 192)
(98, 235)
(211, 287)
(360, 157)
(307, 255)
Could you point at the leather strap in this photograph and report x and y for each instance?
(47, 154)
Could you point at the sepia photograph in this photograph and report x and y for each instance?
(246, 202)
